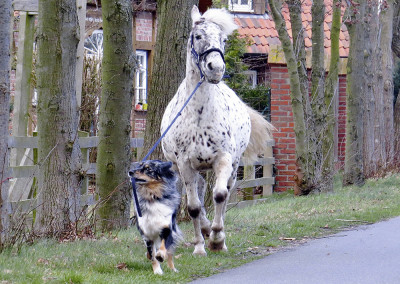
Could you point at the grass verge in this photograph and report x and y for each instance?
(252, 232)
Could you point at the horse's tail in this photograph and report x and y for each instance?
(261, 131)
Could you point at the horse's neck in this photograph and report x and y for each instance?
(192, 79)
(192, 72)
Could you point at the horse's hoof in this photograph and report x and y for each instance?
(217, 246)
(200, 251)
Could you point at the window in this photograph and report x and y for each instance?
(94, 44)
(251, 77)
(241, 5)
(141, 81)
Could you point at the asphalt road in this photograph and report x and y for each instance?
(367, 254)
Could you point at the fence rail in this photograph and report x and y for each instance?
(85, 143)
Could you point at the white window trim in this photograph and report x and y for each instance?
(252, 74)
(241, 8)
(141, 69)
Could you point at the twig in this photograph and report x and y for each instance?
(357, 221)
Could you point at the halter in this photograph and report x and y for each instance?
(203, 55)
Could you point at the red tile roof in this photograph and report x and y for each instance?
(261, 29)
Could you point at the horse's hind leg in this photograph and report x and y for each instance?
(190, 180)
(223, 172)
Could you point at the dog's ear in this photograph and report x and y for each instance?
(165, 166)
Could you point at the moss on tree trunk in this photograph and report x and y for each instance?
(113, 156)
(59, 153)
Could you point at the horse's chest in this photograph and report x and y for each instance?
(205, 132)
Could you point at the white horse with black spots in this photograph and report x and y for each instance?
(213, 130)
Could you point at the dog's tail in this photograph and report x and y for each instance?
(177, 235)
(261, 132)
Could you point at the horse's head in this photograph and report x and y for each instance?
(207, 41)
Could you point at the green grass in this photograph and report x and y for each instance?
(252, 232)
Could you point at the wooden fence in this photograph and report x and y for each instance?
(21, 200)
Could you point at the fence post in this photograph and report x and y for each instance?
(23, 90)
(267, 172)
(249, 172)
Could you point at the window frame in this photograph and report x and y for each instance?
(141, 100)
(241, 8)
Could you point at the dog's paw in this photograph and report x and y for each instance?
(158, 271)
(157, 268)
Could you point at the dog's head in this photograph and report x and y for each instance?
(152, 177)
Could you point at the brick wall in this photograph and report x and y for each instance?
(282, 119)
(138, 122)
(144, 26)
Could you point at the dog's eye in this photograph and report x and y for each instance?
(198, 37)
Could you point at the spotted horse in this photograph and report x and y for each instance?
(214, 129)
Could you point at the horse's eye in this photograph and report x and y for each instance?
(225, 40)
(198, 37)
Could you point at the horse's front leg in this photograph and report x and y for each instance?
(223, 172)
(189, 178)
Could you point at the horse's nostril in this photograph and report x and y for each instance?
(209, 66)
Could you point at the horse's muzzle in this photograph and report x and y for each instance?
(213, 68)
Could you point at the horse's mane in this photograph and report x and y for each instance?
(222, 18)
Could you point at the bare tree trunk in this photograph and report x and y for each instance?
(113, 156)
(59, 153)
(318, 92)
(354, 163)
(331, 87)
(396, 28)
(387, 131)
(369, 82)
(5, 31)
(169, 69)
(378, 115)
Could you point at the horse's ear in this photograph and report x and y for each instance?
(195, 14)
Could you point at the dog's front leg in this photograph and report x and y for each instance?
(166, 241)
(150, 255)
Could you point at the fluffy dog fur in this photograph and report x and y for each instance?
(159, 201)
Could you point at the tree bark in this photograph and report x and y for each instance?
(396, 29)
(354, 163)
(169, 69)
(331, 88)
(5, 31)
(387, 87)
(113, 156)
(378, 81)
(58, 148)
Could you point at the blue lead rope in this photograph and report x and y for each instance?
(139, 212)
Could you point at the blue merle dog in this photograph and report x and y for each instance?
(159, 202)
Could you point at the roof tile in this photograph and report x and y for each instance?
(263, 33)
